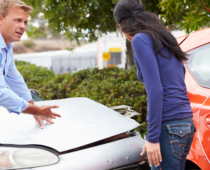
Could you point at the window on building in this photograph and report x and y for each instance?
(116, 57)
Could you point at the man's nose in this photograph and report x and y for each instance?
(23, 25)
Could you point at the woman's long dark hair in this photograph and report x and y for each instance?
(133, 19)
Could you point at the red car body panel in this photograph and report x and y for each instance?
(181, 39)
(197, 95)
(196, 39)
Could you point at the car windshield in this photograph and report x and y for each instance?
(199, 64)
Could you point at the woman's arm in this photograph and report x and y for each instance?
(144, 55)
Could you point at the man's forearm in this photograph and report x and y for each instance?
(32, 109)
(32, 102)
(11, 100)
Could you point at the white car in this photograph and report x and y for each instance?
(89, 136)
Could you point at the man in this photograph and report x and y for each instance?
(17, 99)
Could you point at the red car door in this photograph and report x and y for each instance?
(198, 88)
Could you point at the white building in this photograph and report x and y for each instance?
(89, 55)
(115, 45)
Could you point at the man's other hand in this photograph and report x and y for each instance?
(41, 113)
(44, 111)
(40, 121)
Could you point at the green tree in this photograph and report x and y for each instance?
(89, 19)
(189, 15)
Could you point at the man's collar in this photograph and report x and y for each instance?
(11, 45)
(3, 44)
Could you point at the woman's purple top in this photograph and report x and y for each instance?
(164, 81)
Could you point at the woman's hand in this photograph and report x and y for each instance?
(153, 153)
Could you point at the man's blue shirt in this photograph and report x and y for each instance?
(16, 98)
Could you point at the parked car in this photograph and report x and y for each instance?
(89, 136)
(197, 79)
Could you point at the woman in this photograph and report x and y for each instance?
(159, 63)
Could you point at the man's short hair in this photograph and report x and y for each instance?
(6, 5)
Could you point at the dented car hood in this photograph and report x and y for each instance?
(83, 121)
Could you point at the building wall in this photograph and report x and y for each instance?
(111, 40)
(89, 55)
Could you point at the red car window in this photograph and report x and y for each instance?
(199, 64)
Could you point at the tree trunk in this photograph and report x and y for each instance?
(129, 56)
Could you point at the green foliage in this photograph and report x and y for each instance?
(108, 86)
(29, 43)
(35, 76)
(189, 15)
(88, 19)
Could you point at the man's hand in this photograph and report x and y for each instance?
(41, 113)
(45, 111)
(153, 153)
(40, 121)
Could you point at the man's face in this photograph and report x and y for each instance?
(13, 25)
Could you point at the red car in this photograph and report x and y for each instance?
(197, 79)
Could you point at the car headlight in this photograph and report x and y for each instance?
(12, 157)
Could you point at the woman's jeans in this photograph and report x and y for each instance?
(175, 141)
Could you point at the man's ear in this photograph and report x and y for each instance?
(1, 19)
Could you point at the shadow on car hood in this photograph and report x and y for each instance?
(83, 121)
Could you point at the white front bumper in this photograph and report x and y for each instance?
(106, 156)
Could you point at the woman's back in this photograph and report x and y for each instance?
(161, 74)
